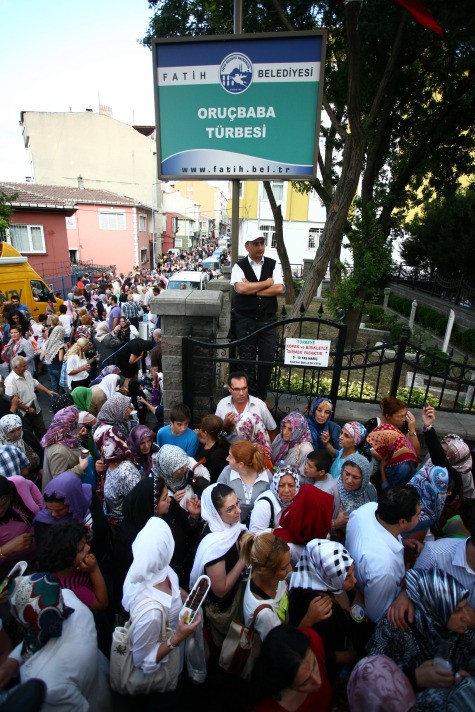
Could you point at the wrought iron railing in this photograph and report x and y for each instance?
(452, 288)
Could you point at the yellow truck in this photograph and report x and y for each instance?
(17, 277)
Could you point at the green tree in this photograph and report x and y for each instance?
(400, 103)
(6, 211)
(442, 237)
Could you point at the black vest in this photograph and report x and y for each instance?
(251, 304)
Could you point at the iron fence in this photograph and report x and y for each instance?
(452, 288)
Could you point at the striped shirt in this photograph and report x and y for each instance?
(449, 555)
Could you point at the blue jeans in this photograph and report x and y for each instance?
(54, 374)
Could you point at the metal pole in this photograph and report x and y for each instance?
(237, 26)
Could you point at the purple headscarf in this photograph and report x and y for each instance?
(379, 685)
(137, 434)
(300, 434)
(66, 487)
(62, 429)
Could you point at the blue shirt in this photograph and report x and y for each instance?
(188, 441)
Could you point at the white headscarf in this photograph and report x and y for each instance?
(109, 384)
(219, 541)
(153, 550)
(7, 424)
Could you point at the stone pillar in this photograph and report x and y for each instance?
(448, 331)
(223, 286)
(187, 312)
(387, 292)
(413, 315)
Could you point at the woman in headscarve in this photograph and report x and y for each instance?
(185, 479)
(63, 446)
(67, 498)
(11, 433)
(218, 553)
(441, 621)
(106, 371)
(54, 356)
(293, 443)
(20, 500)
(379, 685)
(102, 391)
(270, 505)
(351, 438)
(115, 411)
(250, 426)
(325, 433)
(308, 517)
(321, 585)
(398, 453)
(354, 488)
(151, 577)
(59, 645)
(82, 398)
(149, 498)
(142, 447)
(431, 483)
(121, 474)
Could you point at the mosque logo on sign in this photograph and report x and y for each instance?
(235, 73)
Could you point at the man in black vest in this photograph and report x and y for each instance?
(257, 281)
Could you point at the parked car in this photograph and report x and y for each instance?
(190, 280)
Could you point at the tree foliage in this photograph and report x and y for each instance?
(443, 237)
(6, 211)
(399, 104)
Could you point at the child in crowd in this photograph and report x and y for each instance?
(317, 473)
(66, 322)
(178, 433)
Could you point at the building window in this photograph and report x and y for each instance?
(278, 189)
(143, 255)
(112, 220)
(27, 238)
(142, 223)
(71, 222)
(269, 234)
(314, 235)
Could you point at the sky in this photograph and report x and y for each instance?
(58, 56)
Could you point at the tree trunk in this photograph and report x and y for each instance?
(335, 269)
(280, 245)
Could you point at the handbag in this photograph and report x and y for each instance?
(125, 678)
(241, 646)
(219, 620)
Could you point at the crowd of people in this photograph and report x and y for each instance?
(350, 556)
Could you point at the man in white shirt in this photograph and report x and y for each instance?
(257, 281)
(373, 539)
(239, 401)
(22, 384)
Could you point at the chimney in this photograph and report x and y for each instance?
(80, 183)
(105, 110)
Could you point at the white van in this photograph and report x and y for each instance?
(188, 280)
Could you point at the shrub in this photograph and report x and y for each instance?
(377, 316)
(418, 396)
(437, 362)
(395, 330)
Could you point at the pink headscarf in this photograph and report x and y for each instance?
(63, 428)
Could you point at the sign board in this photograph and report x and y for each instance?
(241, 107)
(307, 352)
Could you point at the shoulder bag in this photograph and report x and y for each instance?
(241, 647)
(127, 679)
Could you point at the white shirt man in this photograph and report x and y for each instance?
(373, 539)
(22, 384)
(239, 401)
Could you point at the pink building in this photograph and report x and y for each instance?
(102, 228)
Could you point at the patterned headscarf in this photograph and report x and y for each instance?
(137, 434)
(114, 447)
(250, 426)
(300, 434)
(113, 412)
(389, 442)
(37, 604)
(63, 429)
(351, 500)
(8, 424)
(105, 372)
(458, 453)
(431, 484)
(68, 488)
(379, 685)
(356, 430)
(316, 429)
(170, 459)
(274, 485)
(435, 595)
(54, 344)
(323, 566)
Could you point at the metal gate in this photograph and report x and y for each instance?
(206, 366)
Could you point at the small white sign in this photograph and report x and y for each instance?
(307, 352)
